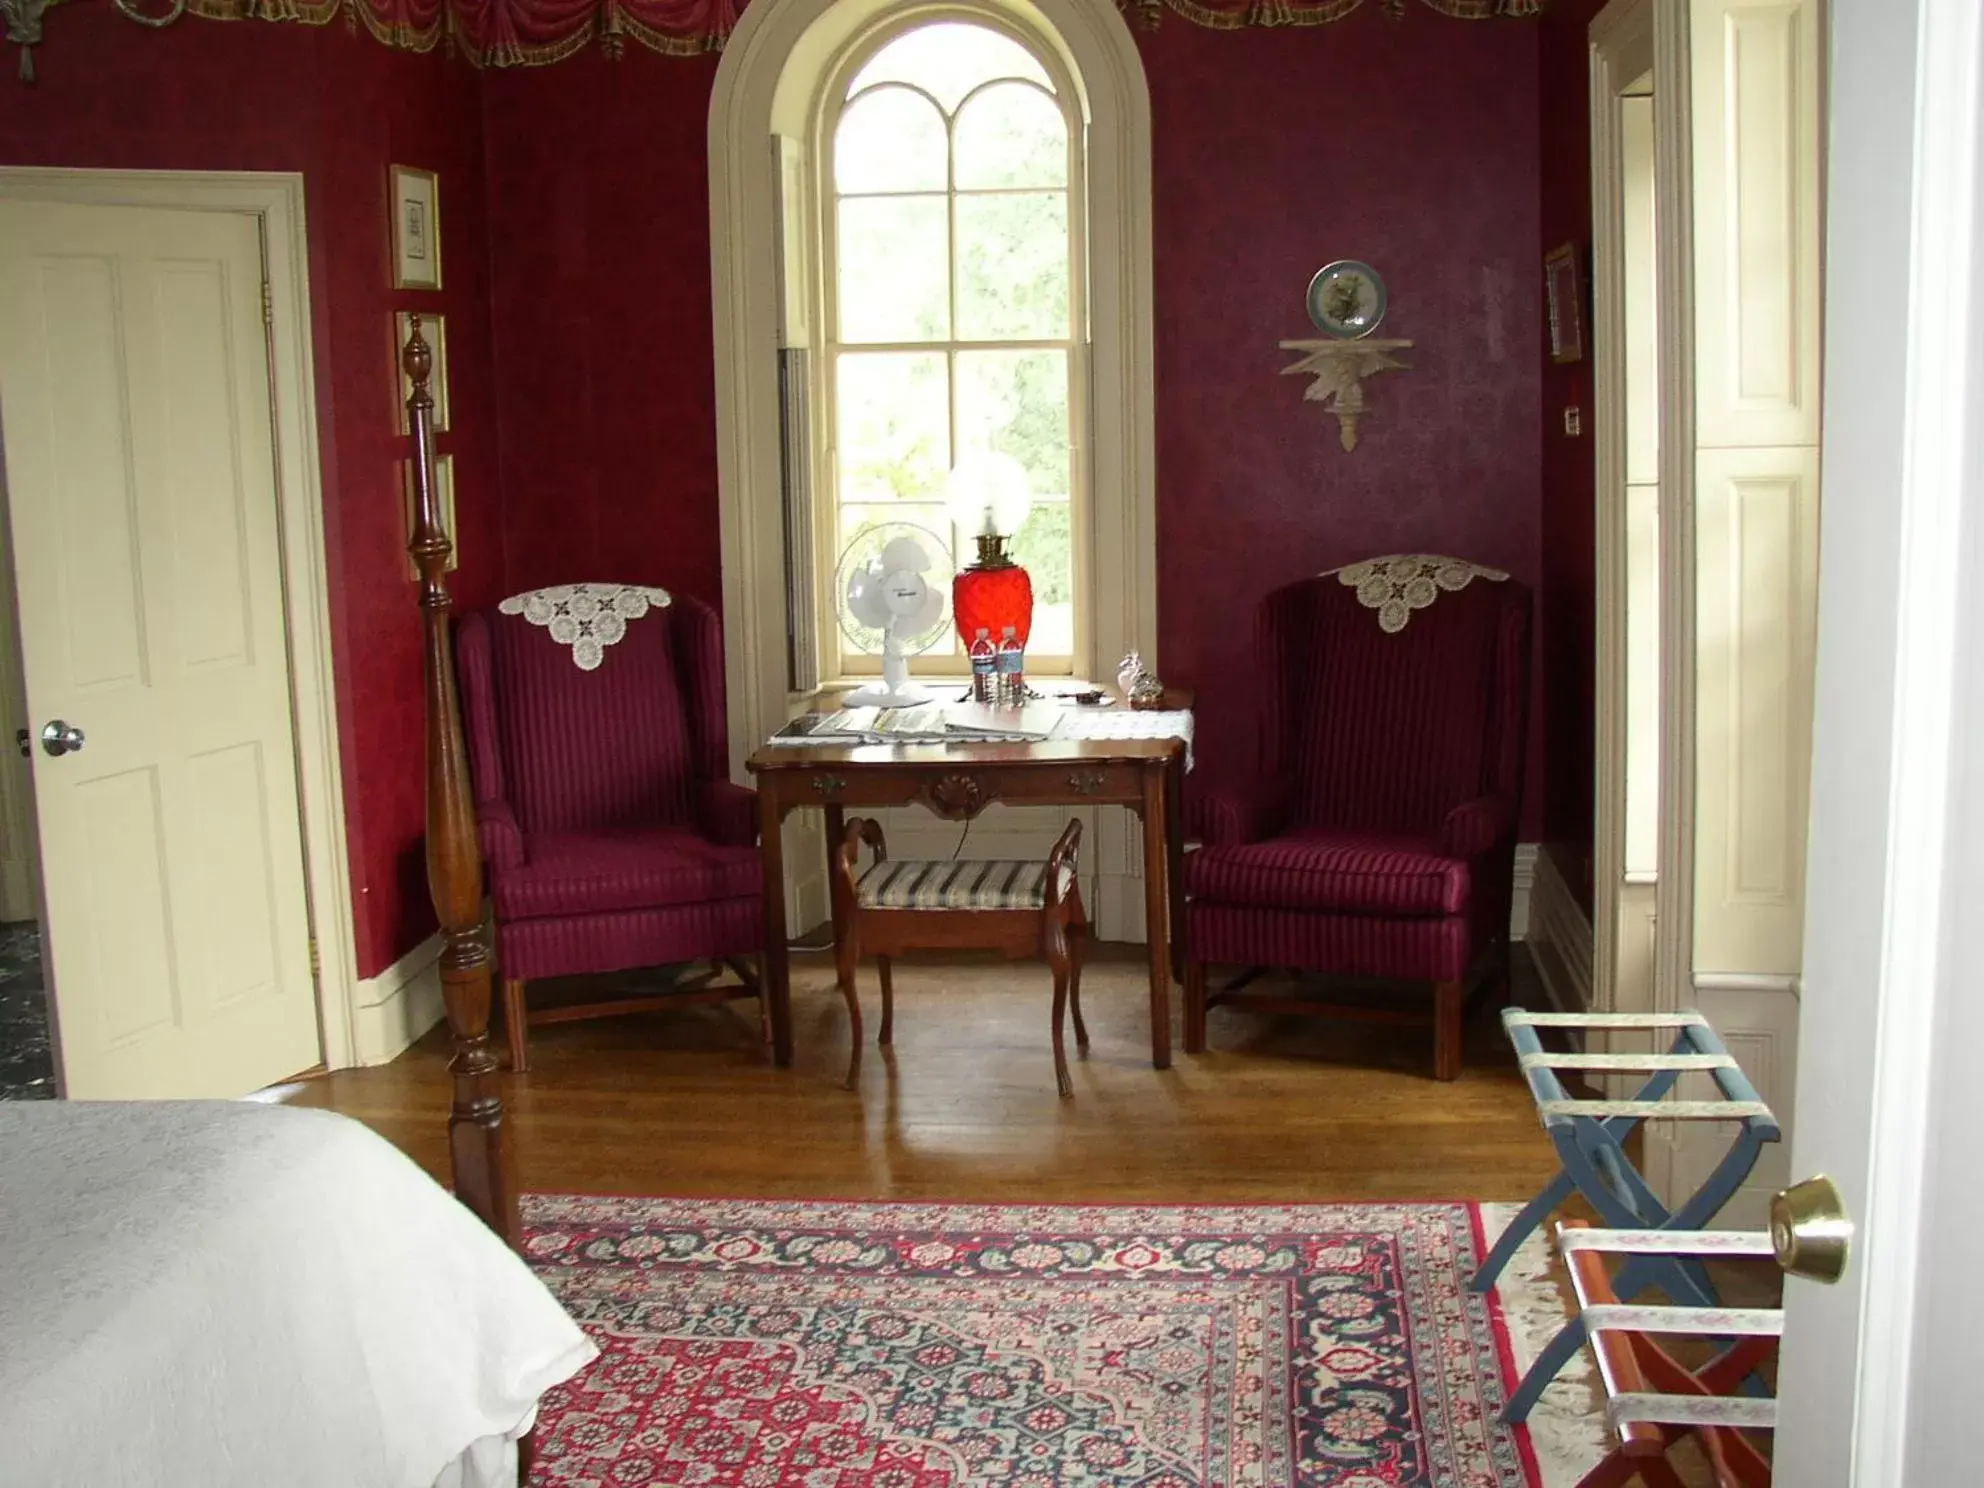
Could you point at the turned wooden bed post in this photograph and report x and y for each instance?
(478, 1142)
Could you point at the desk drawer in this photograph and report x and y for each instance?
(961, 791)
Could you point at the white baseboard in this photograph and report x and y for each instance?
(397, 1006)
(1559, 935)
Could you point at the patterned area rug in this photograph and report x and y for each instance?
(756, 1344)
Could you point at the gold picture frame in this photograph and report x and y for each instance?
(444, 501)
(1563, 284)
(416, 200)
(434, 331)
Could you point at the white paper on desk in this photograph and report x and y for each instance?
(985, 721)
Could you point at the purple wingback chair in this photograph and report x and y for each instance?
(1378, 839)
(613, 836)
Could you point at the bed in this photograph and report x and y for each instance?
(231, 1293)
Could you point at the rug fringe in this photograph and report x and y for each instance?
(1567, 1426)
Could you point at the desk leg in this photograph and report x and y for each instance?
(1174, 853)
(1157, 910)
(836, 829)
(777, 980)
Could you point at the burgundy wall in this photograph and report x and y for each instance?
(339, 108)
(599, 227)
(1569, 474)
(1410, 144)
(580, 340)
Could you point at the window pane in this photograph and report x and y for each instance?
(892, 255)
(893, 140)
(1045, 545)
(950, 58)
(1016, 403)
(1012, 266)
(894, 425)
(1011, 135)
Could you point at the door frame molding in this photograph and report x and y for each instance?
(1622, 49)
(276, 201)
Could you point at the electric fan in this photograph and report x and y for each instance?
(894, 581)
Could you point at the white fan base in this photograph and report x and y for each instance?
(881, 695)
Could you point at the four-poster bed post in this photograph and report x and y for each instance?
(478, 1141)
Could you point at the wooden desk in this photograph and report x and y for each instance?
(957, 781)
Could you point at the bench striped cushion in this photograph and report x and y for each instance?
(909, 884)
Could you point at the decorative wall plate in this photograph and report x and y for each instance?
(1347, 299)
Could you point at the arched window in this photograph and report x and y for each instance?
(952, 307)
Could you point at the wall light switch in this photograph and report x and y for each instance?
(1573, 422)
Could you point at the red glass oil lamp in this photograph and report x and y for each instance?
(988, 499)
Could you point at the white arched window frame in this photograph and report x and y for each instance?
(842, 90)
(768, 85)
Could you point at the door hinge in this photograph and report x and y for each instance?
(316, 966)
(268, 304)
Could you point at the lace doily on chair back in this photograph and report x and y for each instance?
(586, 617)
(1404, 582)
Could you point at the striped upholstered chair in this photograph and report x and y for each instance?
(1020, 908)
(1378, 838)
(613, 837)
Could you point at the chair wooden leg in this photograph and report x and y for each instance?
(1061, 1080)
(1077, 948)
(1195, 1007)
(847, 954)
(887, 1036)
(1449, 1008)
(516, 1025)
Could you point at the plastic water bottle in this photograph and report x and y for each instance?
(1012, 670)
(984, 667)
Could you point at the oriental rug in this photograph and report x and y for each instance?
(826, 1344)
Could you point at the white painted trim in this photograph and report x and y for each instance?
(276, 199)
(1746, 981)
(396, 1007)
(1560, 939)
(745, 294)
(1522, 888)
(1622, 47)
(1674, 256)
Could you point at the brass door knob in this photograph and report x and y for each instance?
(1810, 1230)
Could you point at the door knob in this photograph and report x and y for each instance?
(1810, 1230)
(59, 738)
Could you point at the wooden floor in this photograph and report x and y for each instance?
(682, 1102)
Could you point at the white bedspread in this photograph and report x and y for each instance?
(233, 1295)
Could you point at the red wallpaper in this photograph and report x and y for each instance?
(580, 339)
(1569, 599)
(338, 108)
(599, 226)
(1412, 144)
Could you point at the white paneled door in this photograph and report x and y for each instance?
(140, 482)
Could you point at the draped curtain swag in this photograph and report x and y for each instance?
(531, 33)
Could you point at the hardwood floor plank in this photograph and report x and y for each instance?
(963, 1107)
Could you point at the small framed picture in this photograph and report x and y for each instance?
(1563, 282)
(416, 228)
(434, 331)
(444, 502)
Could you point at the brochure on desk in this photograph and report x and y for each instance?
(929, 723)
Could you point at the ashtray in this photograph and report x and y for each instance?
(1088, 699)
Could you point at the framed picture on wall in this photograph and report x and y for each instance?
(434, 331)
(444, 502)
(416, 198)
(1563, 282)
